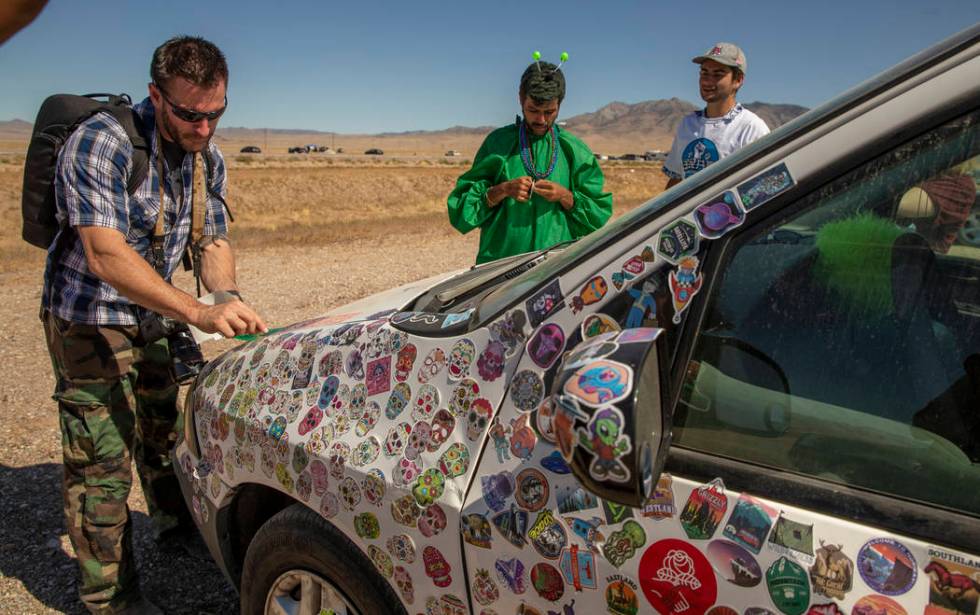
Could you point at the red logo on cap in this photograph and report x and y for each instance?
(715, 51)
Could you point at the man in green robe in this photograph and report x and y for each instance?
(532, 184)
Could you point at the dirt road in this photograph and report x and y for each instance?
(37, 565)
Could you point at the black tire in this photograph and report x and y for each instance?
(298, 539)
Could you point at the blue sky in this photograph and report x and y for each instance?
(373, 66)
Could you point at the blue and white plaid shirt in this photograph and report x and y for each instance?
(90, 189)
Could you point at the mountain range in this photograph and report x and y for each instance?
(649, 124)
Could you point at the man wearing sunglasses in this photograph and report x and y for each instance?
(108, 272)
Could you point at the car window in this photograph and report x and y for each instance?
(842, 340)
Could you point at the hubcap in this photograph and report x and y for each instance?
(301, 592)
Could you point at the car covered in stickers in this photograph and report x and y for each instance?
(758, 393)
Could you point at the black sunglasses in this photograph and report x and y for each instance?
(189, 115)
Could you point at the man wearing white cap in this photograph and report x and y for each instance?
(723, 126)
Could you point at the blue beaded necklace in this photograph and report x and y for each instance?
(528, 158)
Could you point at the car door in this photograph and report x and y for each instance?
(825, 430)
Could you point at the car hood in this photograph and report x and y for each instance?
(387, 300)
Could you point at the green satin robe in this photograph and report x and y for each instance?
(513, 227)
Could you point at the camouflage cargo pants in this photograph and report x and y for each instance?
(116, 404)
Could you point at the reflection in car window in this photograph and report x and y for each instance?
(844, 341)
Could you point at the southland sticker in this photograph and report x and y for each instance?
(954, 583)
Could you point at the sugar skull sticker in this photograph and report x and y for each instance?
(491, 361)
(455, 461)
(460, 358)
(405, 362)
(600, 383)
(462, 397)
(426, 403)
(327, 391)
(478, 418)
(395, 440)
(440, 429)
(399, 398)
(354, 365)
(432, 365)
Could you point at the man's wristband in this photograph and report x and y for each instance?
(235, 293)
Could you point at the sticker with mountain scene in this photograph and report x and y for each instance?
(887, 566)
(750, 523)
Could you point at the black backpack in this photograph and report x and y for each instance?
(57, 119)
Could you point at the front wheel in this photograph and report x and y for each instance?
(298, 564)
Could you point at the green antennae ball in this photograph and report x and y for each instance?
(536, 55)
(564, 56)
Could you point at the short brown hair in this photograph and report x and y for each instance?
(191, 57)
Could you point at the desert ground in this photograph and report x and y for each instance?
(311, 232)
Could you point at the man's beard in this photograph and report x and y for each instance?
(177, 138)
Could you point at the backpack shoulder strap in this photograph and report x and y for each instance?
(132, 123)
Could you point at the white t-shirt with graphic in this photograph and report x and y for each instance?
(702, 140)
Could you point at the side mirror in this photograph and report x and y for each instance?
(609, 402)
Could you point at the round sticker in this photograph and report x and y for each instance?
(532, 490)
(734, 564)
(879, 605)
(887, 566)
(547, 581)
(527, 390)
(674, 573)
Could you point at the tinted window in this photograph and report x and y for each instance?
(843, 340)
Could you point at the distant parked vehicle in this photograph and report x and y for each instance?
(374, 151)
(453, 152)
(299, 149)
(601, 157)
(251, 149)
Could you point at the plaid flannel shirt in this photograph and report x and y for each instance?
(90, 190)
